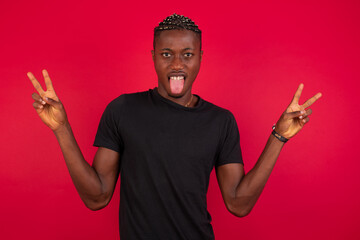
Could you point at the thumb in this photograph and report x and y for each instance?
(295, 114)
(52, 102)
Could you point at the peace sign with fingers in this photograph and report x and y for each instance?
(47, 104)
(295, 116)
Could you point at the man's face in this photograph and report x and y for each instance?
(177, 58)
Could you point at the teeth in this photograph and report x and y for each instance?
(177, 77)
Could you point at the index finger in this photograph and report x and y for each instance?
(48, 82)
(297, 95)
(309, 102)
(35, 83)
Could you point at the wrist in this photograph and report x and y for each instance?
(64, 128)
(278, 136)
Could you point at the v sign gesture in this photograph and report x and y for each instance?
(240, 191)
(295, 116)
(47, 104)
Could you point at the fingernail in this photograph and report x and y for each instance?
(300, 117)
(302, 112)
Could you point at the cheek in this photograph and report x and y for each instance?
(161, 64)
(194, 67)
(159, 67)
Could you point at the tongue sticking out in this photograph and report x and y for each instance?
(176, 86)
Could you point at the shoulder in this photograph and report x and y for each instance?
(220, 112)
(128, 99)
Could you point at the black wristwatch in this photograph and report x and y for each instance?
(278, 136)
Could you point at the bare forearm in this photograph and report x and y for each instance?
(250, 187)
(85, 178)
(240, 191)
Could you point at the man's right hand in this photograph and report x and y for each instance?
(95, 184)
(47, 104)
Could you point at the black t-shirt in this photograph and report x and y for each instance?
(167, 152)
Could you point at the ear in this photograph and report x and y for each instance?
(201, 53)
(153, 54)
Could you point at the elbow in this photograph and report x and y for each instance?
(242, 213)
(95, 204)
(238, 211)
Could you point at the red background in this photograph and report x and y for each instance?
(255, 55)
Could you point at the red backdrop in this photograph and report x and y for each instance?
(255, 55)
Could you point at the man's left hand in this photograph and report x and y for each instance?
(295, 116)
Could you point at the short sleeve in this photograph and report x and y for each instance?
(230, 151)
(108, 134)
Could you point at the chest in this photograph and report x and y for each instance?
(185, 141)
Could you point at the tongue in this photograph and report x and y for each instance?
(176, 86)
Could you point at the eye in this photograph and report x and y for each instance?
(165, 54)
(188, 54)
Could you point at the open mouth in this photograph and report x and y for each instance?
(177, 83)
(174, 78)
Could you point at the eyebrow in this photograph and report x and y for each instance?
(168, 49)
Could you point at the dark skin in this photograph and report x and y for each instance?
(176, 52)
(95, 184)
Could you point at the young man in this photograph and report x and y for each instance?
(164, 143)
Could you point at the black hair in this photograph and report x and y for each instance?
(176, 22)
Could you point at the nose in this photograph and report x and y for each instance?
(177, 63)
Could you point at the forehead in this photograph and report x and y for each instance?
(177, 39)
